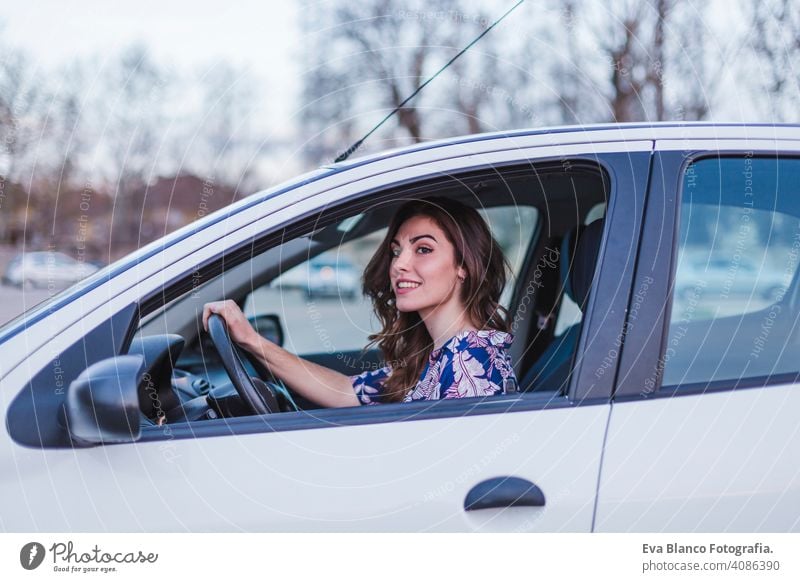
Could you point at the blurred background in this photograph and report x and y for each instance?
(120, 122)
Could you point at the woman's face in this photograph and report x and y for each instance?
(423, 271)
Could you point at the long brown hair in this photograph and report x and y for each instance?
(404, 339)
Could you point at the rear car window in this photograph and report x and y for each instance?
(734, 307)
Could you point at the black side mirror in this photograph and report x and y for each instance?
(102, 404)
(269, 327)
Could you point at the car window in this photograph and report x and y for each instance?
(737, 255)
(320, 301)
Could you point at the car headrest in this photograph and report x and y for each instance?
(579, 258)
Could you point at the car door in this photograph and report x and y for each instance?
(405, 467)
(703, 434)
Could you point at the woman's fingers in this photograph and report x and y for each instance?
(221, 308)
(239, 328)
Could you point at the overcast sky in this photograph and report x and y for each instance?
(262, 36)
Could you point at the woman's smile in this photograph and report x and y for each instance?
(403, 286)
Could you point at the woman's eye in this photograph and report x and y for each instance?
(395, 252)
(424, 250)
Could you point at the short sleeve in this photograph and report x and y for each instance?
(475, 371)
(368, 385)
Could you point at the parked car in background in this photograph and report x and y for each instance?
(326, 275)
(42, 269)
(651, 412)
(331, 275)
(743, 277)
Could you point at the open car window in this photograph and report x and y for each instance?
(301, 285)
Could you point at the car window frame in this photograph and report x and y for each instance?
(598, 326)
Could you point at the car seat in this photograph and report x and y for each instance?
(577, 263)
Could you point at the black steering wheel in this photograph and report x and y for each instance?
(255, 393)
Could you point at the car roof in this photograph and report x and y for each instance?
(690, 130)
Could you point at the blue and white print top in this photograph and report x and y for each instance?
(472, 363)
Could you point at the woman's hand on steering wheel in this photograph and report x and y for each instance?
(241, 332)
(239, 328)
(255, 394)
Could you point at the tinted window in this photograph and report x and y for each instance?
(734, 314)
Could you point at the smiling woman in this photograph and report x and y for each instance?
(435, 283)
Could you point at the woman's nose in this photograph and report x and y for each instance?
(401, 262)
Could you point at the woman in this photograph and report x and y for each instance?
(434, 282)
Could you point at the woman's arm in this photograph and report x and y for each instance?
(317, 383)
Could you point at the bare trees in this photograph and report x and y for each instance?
(133, 129)
(22, 126)
(648, 61)
(776, 42)
(20, 110)
(558, 61)
(81, 145)
(371, 56)
(224, 136)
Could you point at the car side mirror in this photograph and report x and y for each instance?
(102, 404)
(269, 327)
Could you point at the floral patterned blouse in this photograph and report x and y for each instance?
(472, 363)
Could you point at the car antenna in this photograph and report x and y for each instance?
(346, 154)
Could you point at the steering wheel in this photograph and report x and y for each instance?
(254, 392)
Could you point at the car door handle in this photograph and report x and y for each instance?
(503, 492)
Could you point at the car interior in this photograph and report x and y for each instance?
(555, 209)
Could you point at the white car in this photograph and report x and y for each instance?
(651, 413)
(45, 269)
